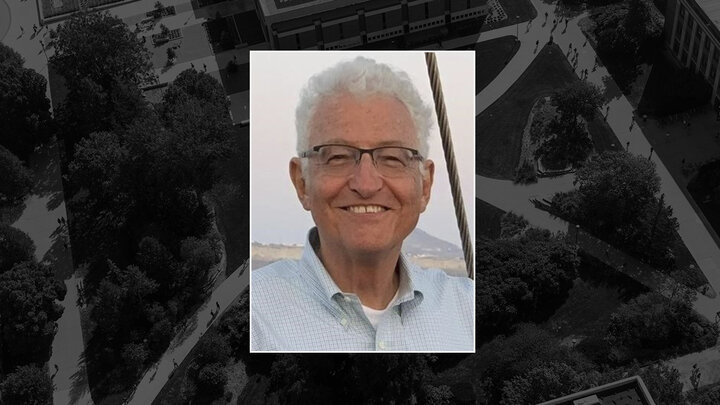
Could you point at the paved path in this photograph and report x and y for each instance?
(44, 206)
(155, 378)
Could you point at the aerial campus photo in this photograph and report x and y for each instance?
(125, 200)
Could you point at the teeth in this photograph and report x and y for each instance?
(363, 209)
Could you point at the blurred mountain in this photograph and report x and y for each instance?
(421, 243)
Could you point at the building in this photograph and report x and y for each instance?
(343, 24)
(629, 391)
(692, 34)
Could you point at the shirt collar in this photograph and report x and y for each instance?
(319, 277)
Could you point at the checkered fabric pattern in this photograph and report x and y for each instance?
(296, 306)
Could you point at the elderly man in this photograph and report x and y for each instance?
(361, 171)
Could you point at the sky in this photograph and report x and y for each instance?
(276, 79)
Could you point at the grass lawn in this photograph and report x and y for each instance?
(595, 295)
(499, 128)
(487, 220)
(231, 200)
(517, 11)
(490, 58)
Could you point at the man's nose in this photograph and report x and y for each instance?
(365, 179)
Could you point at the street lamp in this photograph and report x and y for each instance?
(627, 146)
(650, 155)
(577, 231)
(517, 27)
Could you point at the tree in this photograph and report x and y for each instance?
(545, 382)
(566, 138)
(9, 56)
(15, 247)
(25, 119)
(627, 32)
(211, 380)
(134, 356)
(650, 323)
(351, 379)
(99, 47)
(29, 385)
(191, 83)
(505, 358)
(580, 98)
(103, 64)
(235, 326)
(616, 200)
(212, 348)
(17, 179)
(661, 379)
(566, 142)
(28, 312)
(520, 280)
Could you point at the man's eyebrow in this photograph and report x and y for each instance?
(340, 141)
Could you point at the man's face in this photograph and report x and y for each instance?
(363, 212)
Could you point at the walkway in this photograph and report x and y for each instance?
(44, 206)
(156, 377)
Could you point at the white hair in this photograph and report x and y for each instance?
(360, 77)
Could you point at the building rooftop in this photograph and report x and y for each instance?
(711, 9)
(302, 7)
(628, 391)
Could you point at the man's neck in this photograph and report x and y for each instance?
(374, 278)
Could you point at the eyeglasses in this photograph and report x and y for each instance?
(340, 160)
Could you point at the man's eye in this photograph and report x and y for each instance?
(391, 161)
(338, 159)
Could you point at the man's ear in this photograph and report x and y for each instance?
(296, 176)
(427, 182)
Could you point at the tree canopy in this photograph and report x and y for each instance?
(566, 139)
(15, 247)
(28, 312)
(616, 199)
(103, 64)
(521, 279)
(354, 379)
(29, 385)
(652, 323)
(25, 119)
(545, 382)
(580, 98)
(17, 179)
(9, 56)
(101, 48)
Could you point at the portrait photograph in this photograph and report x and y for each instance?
(352, 253)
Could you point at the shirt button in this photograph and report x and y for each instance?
(381, 345)
(344, 322)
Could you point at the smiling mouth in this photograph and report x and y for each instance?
(365, 209)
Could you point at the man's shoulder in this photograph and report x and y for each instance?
(276, 275)
(439, 280)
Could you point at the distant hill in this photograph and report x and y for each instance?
(422, 248)
(421, 243)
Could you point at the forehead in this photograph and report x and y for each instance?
(364, 120)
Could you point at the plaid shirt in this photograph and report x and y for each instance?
(296, 306)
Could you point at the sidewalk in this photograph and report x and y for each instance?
(156, 377)
(45, 205)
